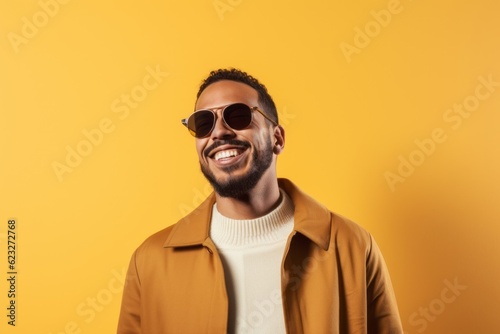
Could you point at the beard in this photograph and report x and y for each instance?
(240, 186)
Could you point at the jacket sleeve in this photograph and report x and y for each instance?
(130, 314)
(383, 314)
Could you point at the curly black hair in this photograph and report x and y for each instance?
(237, 75)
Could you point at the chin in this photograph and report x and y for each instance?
(237, 180)
(235, 185)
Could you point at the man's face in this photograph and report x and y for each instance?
(234, 161)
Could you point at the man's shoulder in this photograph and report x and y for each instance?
(188, 231)
(156, 240)
(313, 216)
(344, 229)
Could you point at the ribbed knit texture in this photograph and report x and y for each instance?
(252, 252)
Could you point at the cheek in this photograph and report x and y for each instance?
(261, 139)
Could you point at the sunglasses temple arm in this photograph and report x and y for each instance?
(266, 116)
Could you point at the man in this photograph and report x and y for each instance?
(258, 255)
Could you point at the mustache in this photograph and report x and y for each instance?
(233, 142)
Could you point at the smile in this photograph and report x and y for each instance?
(225, 154)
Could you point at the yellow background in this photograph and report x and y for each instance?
(349, 117)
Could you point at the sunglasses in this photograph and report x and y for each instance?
(237, 116)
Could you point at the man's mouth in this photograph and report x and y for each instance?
(225, 155)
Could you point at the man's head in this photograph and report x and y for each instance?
(236, 161)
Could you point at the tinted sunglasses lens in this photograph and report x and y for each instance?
(238, 116)
(201, 123)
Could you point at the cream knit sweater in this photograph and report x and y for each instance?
(252, 252)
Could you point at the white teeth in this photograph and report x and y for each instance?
(225, 154)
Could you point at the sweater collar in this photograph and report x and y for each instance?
(311, 219)
(271, 228)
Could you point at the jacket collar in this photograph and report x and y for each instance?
(311, 219)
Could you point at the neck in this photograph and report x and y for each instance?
(259, 201)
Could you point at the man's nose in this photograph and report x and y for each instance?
(221, 129)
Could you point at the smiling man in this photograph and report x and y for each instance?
(258, 255)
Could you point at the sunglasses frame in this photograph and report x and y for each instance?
(185, 121)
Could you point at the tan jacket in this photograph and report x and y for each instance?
(334, 279)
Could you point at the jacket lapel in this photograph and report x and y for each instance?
(311, 219)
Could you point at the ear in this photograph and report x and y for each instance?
(279, 139)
